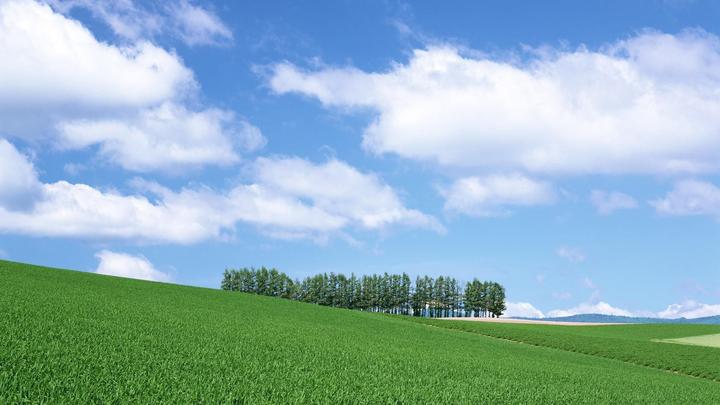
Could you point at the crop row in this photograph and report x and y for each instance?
(630, 343)
(68, 337)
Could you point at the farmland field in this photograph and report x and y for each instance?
(70, 337)
(637, 344)
(702, 340)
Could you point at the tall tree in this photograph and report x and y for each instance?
(390, 293)
(496, 300)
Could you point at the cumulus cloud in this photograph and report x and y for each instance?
(601, 307)
(164, 138)
(308, 209)
(646, 104)
(522, 310)
(19, 186)
(338, 188)
(491, 195)
(128, 266)
(131, 20)
(53, 66)
(574, 255)
(690, 197)
(82, 211)
(690, 309)
(60, 82)
(608, 202)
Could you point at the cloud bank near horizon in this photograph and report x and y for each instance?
(688, 309)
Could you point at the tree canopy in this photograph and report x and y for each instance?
(388, 293)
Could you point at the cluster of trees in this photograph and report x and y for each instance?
(388, 293)
(260, 281)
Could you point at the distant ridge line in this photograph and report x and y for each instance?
(600, 318)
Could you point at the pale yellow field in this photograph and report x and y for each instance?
(702, 340)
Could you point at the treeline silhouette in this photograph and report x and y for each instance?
(388, 293)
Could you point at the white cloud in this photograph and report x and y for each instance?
(19, 186)
(522, 310)
(198, 26)
(690, 197)
(187, 216)
(124, 17)
(608, 202)
(489, 196)
(129, 266)
(574, 255)
(60, 82)
(53, 66)
(164, 138)
(690, 309)
(647, 104)
(338, 188)
(128, 19)
(598, 308)
(305, 204)
(73, 169)
(249, 137)
(79, 210)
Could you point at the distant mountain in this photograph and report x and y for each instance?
(599, 318)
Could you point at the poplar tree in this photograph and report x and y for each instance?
(389, 293)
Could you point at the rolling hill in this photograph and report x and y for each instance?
(73, 337)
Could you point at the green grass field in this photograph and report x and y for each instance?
(71, 337)
(702, 340)
(637, 344)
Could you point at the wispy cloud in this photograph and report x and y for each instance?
(571, 254)
(690, 197)
(608, 202)
(132, 20)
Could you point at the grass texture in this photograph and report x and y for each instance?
(638, 344)
(702, 340)
(72, 337)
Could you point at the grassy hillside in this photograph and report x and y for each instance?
(703, 340)
(631, 343)
(76, 337)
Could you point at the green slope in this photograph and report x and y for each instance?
(702, 340)
(639, 344)
(75, 337)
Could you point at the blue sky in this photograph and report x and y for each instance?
(568, 151)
